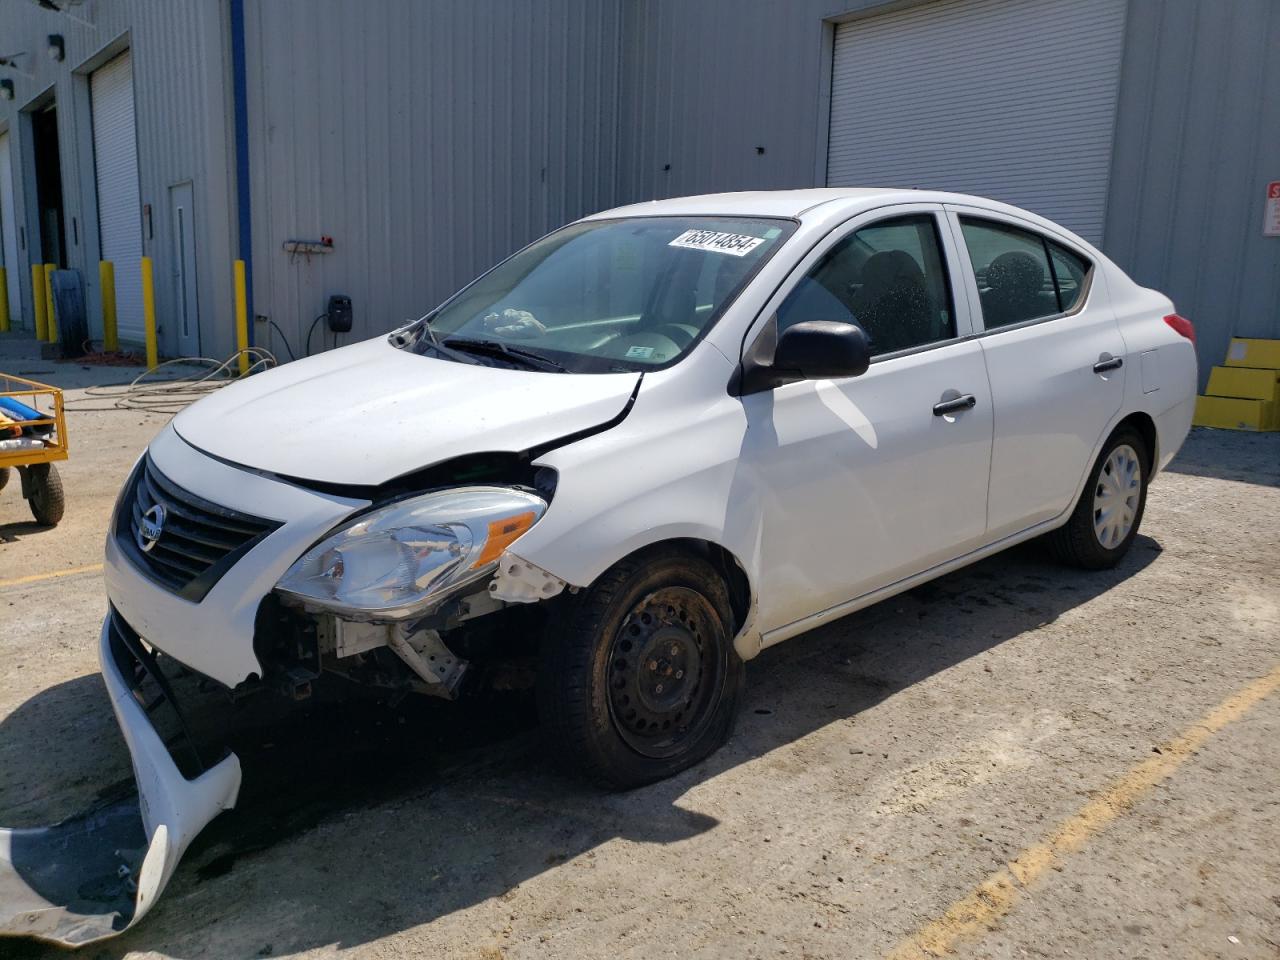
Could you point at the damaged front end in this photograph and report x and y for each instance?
(409, 591)
(93, 876)
(491, 625)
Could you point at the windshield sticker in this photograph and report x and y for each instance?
(639, 353)
(735, 245)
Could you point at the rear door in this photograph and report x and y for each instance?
(1054, 358)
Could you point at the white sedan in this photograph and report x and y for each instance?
(636, 453)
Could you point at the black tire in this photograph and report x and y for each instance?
(1077, 542)
(638, 678)
(46, 501)
(4, 477)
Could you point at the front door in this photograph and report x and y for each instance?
(182, 230)
(1054, 357)
(868, 480)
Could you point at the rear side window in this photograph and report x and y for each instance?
(1069, 273)
(1021, 276)
(889, 278)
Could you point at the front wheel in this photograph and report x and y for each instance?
(638, 679)
(1106, 518)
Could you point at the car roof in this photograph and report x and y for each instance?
(820, 202)
(783, 203)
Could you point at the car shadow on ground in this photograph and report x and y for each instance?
(1233, 455)
(396, 818)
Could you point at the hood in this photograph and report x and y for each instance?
(368, 413)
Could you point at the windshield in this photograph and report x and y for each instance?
(605, 295)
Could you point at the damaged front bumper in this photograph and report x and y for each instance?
(94, 876)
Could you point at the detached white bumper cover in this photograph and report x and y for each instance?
(95, 876)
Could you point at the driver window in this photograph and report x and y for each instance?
(889, 278)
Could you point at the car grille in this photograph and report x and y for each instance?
(198, 541)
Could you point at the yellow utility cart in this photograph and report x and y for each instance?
(33, 434)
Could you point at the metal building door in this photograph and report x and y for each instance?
(185, 300)
(1010, 99)
(115, 160)
(9, 233)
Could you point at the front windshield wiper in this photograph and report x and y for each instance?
(427, 340)
(495, 348)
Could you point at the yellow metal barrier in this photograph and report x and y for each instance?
(37, 301)
(149, 312)
(107, 280)
(4, 300)
(50, 312)
(242, 318)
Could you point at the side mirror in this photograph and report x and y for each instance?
(812, 350)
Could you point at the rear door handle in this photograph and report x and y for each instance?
(1108, 362)
(966, 402)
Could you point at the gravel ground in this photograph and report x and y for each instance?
(885, 766)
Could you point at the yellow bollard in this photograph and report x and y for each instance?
(242, 318)
(149, 313)
(107, 280)
(52, 314)
(37, 301)
(4, 300)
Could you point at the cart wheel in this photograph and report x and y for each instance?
(4, 477)
(47, 501)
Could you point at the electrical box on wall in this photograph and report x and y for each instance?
(339, 314)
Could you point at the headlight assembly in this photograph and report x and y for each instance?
(390, 563)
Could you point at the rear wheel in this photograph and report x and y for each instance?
(4, 477)
(1106, 518)
(639, 679)
(46, 498)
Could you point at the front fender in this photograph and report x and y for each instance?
(672, 470)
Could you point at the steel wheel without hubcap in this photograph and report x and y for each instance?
(1115, 498)
(665, 676)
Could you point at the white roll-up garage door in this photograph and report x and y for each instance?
(1011, 99)
(115, 157)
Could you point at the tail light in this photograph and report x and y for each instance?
(1181, 326)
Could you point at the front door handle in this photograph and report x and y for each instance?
(966, 402)
(1108, 362)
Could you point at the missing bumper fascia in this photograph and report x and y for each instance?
(438, 670)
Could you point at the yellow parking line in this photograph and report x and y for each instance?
(37, 577)
(975, 913)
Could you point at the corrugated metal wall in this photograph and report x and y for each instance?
(1197, 132)
(428, 140)
(181, 84)
(1197, 140)
(711, 82)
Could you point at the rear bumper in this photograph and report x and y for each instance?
(86, 879)
(1172, 427)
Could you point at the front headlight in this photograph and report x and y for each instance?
(391, 561)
